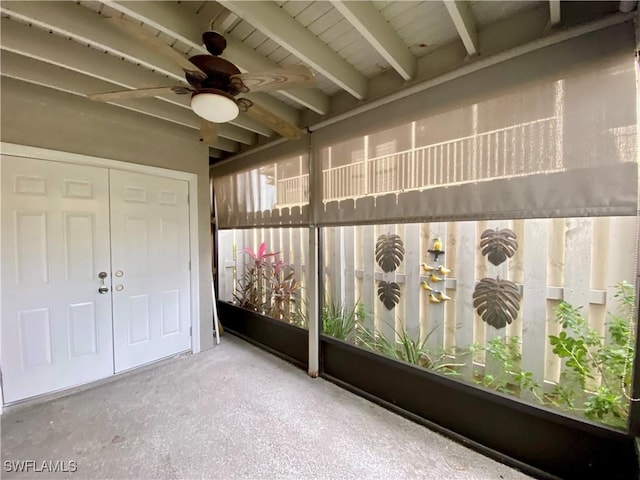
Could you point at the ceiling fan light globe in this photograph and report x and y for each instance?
(214, 108)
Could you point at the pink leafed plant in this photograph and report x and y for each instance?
(268, 284)
(261, 255)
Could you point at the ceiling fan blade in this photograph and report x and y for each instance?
(277, 79)
(208, 132)
(138, 32)
(140, 92)
(274, 122)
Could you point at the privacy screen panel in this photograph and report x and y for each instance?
(271, 194)
(554, 148)
(548, 133)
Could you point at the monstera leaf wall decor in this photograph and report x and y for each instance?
(498, 245)
(389, 252)
(389, 255)
(497, 301)
(389, 294)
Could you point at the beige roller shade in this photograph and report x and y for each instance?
(551, 133)
(555, 145)
(274, 193)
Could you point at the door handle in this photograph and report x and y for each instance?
(103, 288)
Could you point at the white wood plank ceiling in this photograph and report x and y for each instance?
(350, 45)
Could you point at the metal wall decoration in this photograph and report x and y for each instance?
(389, 254)
(498, 245)
(497, 301)
(389, 294)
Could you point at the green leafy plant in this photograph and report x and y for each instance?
(268, 285)
(251, 287)
(510, 378)
(596, 374)
(341, 322)
(281, 288)
(408, 350)
(299, 316)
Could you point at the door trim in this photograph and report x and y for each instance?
(15, 150)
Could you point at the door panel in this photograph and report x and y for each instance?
(150, 258)
(56, 327)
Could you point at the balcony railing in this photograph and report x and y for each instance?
(507, 152)
(525, 149)
(293, 191)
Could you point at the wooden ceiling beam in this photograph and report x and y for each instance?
(462, 18)
(370, 23)
(280, 27)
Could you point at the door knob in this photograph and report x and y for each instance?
(103, 288)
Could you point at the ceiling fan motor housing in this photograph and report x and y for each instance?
(218, 72)
(214, 42)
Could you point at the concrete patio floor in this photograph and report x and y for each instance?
(232, 412)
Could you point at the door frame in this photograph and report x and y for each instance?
(16, 150)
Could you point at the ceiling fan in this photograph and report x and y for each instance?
(215, 83)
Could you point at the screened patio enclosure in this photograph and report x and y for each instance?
(465, 254)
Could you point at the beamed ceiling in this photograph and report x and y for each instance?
(360, 51)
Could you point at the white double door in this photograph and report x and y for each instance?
(63, 227)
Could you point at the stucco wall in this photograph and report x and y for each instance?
(42, 117)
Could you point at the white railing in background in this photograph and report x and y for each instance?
(292, 191)
(518, 150)
(346, 181)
